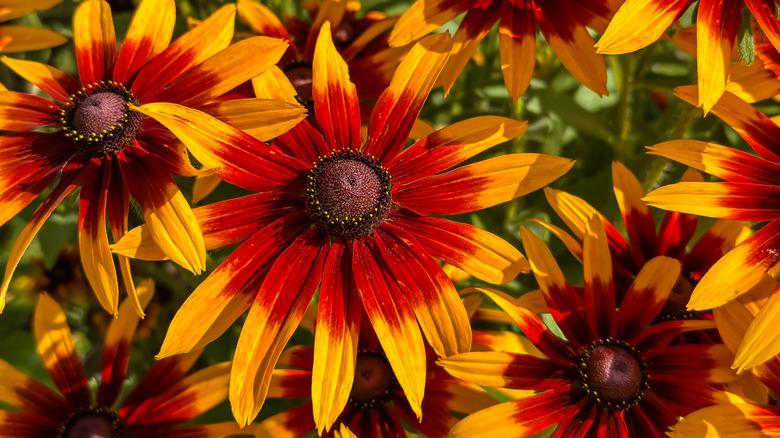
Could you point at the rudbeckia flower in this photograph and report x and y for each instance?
(736, 416)
(563, 23)
(64, 280)
(361, 220)
(615, 374)
(94, 138)
(15, 39)
(645, 238)
(377, 406)
(161, 402)
(639, 23)
(748, 193)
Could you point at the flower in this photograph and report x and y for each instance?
(752, 414)
(639, 23)
(15, 39)
(748, 192)
(645, 239)
(563, 23)
(377, 406)
(354, 217)
(616, 373)
(164, 399)
(95, 138)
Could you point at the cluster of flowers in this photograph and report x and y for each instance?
(313, 118)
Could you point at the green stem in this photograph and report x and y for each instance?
(660, 166)
(626, 75)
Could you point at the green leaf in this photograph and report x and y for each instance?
(747, 49)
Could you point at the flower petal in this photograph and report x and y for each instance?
(637, 218)
(261, 20)
(149, 34)
(52, 81)
(336, 338)
(22, 391)
(27, 39)
(393, 320)
(95, 40)
(764, 13)
(639, 23)
(452, 145)
(336, 104)
(517, 47)
(739, 270)
(423, 17)
(399, 105)
(264, 119)
(26, 112)
(275, 314)
(647, 295)
(738, 201)
(482, 184)
(737, 420)
(55, 346)
(762, 341)
(472, 249)
(199, 44)
(274, 84)
(717, 24)
(505, 370)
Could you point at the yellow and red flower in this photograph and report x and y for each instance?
(748, 193)
(615, 374)
(99, 142)
(377, 406)
(738, 416)
(162, 401)
(645, 239)
(563, 23)
(639, 23)
(15, 39)
(355, 218)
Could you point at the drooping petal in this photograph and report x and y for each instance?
(639, 23)
(149, 34)
(52, 81)
(222, 72)
(26, 39)
(739, 270)
(723, 162)
(475, 26)
(189, 50)
(167, 214)
(758, 130)
(26, 112)
(481, 185)
(95, 40)
(524, 417)
(399, 105)
(70, 179)
(336, 104)
(517, 46)
(393, 320)
(472, 249)
(443, 149)
(239, 158)
(423, 17)
(55, 346)
(264, 119)
(229, 290)
(336, 338)
(275, 314)
(647, 295)
(435, 301)
(115, 357)
(717, 24)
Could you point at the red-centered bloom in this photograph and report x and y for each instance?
(749, 192)
(95, 139)
(355, 218)
(735, 416)
(15, 39)
(377, 406)
(646, 239)
(639, 23)
(162, 401)
(564, 24)
(361, 39)
(615, 374)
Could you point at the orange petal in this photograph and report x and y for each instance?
(260, 19)
(264, 119)
(52, 81)
(149, 34)
(26, 39)
(717, 24)
(95, 40)
(639, 23)
(517, 46)
(423, 17)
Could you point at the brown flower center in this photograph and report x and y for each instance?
(98, 118)
(612, 372)
(348, 194)
(374, 379)
(93, 423)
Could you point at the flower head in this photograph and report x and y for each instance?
(354, 217)
(96, 139)
(161, 402)
(615, 373)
